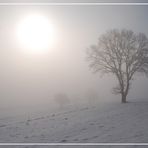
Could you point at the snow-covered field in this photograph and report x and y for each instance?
(105, 122)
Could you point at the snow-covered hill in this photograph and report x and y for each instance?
(107, 123)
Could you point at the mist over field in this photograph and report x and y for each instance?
(52, 95)
(28, 80)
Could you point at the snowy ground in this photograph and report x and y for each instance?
(108, 123)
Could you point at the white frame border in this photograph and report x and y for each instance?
(74, 4)
(73, 144)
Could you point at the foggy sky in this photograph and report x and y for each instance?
(30, 78)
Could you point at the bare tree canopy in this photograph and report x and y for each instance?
(122, 53)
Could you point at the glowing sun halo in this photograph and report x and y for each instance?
(35, 34)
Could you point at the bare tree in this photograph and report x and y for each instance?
(122, 53)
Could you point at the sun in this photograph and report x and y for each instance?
(36, 34)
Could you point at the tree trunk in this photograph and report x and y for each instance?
(123, 99)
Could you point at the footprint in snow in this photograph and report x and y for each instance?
(83, 129)
(66, 137)
(101, 126)
(64, 140)
(91, 124)
(76, 140)
(53, 115)
(26, 137)
(95, 136)
(3, 125)
(86, 108)
(85, 139)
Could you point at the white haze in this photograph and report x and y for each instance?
(32, 81)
